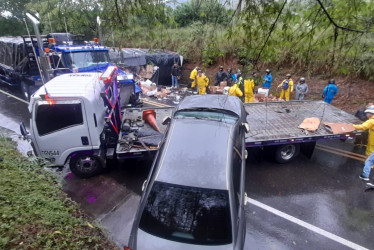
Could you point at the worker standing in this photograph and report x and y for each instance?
(240, 83)
(220, 76)
(330, 91)
(287, 87)
(175, 73)
(202, 82)
(301, 89)
(193, 76)
(249, 86)
(229, 77)
(368, 125)
(268, 79)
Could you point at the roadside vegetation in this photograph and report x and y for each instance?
(312, 36)
(35, 213)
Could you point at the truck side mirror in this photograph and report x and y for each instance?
(23, 130)
(166, 120)
(245, 126)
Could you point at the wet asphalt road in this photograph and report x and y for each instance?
(316, 203)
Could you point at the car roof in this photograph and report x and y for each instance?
(224, 102)
(197, 153)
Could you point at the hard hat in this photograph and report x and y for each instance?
(221, 67)
(267, 70)
(238, 71)
(199, 71)
(370, 110)
(332, 81)
(197, 67)
(302, 79)
(288, 75)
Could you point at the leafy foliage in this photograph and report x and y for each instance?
(210, 11)
(303, 37)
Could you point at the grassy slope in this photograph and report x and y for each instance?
(35, 213)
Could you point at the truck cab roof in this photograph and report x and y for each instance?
(82, 85)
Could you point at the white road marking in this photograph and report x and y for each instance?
(15, 97)
(306, 225)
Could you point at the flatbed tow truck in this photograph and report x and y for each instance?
(76, 119)
(271, 124)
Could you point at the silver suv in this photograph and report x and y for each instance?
(194, 195)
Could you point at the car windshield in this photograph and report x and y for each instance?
(187, 214)
(208, 114)
(85, 59)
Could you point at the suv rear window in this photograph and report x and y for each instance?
(216, 115)
(50, 118)
(187, 214)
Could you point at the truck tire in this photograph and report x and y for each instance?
(287, 152)
(25, 91)
(86, 166)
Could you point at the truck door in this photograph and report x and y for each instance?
(60, 128)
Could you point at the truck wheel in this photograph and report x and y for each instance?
(86, 166)
(25, 89)
(286, 153)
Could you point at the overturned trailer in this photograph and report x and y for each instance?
(133, 59)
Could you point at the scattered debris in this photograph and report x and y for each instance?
(310, 124)
(338, 128)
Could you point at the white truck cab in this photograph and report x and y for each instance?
(68, 120)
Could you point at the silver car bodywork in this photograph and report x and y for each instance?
(202, 159)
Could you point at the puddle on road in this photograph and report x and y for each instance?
(9, 131)
(111, 204)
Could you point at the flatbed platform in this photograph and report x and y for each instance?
(271, 123)
(278, 122)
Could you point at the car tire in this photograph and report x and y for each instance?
(25, 90)
(287, 152)
(86, 166)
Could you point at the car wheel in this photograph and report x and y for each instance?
(86, 166)
(286, 153)
(25, 89)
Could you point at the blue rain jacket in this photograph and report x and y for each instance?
(268, 79)
(329, 92)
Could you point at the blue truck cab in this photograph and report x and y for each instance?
(20, 63)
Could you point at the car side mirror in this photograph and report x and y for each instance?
(23, 130)
(245, 126)
(166, 120)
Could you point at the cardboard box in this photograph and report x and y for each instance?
(223, 84)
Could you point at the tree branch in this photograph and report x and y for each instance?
(269, 34)
(333, 22)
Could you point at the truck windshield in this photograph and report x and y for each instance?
(51, 118)
(85, 59)
(209, 114)
(187, 214)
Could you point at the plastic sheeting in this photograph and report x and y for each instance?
(162, 58)
(11, 52)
